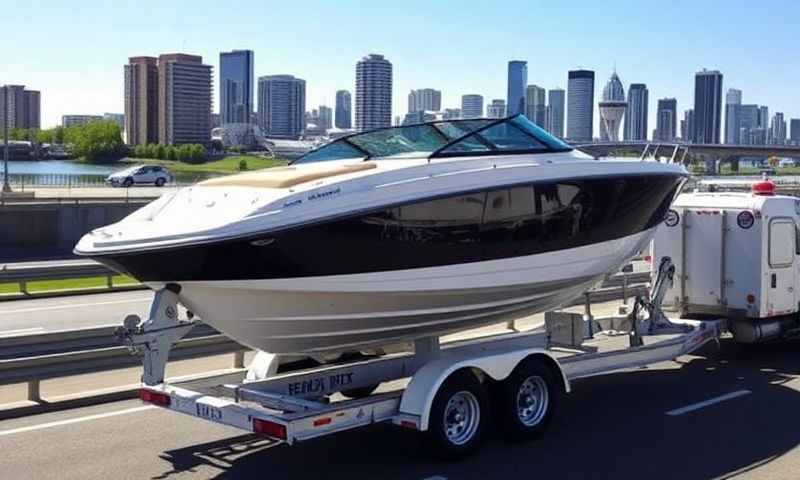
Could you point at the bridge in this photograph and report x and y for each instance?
(689, 152)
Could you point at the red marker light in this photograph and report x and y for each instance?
(270, 429)
(156, 398)
(765, 187)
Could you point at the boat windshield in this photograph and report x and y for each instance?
(448, 138)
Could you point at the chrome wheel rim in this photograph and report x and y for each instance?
(532, 401)
(461, 417)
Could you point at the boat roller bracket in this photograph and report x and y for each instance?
(154, 337)
(656, 322)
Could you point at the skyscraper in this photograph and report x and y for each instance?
(184, 99)
(778, 129)
(555, 112)
(496, 109)
(281, 106)
(747, 121)
(471, 106)
(580, 105)
(236, 86)
(424, 99)
(612, 108)
(707, 106)
(666, 120)
(344, 108)
(535, 106)
(141, 100)
(325, 117)
(517, 81)
(733, 102)
(24, 109)
(637, 113)
(373, 93)
(687, 126)
(794, 131)
(763, 117)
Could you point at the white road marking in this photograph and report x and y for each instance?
(74, 305)
(10, 333)
(74, 420)
(706, 403)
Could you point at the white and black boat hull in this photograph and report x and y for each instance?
(350, 312)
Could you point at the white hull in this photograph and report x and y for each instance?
(348, 312)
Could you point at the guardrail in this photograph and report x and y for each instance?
(22, 274)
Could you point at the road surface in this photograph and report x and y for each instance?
(717, 415)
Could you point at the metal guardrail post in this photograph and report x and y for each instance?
(110, 280)
(238, 359)
(34, 391)
(23, 287)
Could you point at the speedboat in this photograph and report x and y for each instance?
(393, 235)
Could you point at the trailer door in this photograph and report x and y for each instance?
(780, 263)
(703, 258)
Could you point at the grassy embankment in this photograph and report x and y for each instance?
(225, 165)
(780, 171)
(72, 284)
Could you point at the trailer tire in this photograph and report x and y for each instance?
(526, 401)
(458, 417)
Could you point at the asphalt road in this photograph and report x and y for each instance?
(611, 426)
(40, 315)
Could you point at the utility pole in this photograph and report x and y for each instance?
(6, 185)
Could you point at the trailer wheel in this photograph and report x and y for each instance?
(526, 401)
(458, 417)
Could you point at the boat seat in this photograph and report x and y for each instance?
(285, 177)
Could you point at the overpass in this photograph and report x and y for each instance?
(689, 152)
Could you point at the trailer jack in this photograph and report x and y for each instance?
(656, 322)
(154, 337)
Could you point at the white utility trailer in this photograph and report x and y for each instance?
(736, 256)
(442, 390)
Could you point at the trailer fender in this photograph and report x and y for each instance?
(419, 394)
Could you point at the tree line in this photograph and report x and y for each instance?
(189, 153)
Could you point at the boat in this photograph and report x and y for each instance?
(393, 235)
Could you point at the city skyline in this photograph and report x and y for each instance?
(667, 68)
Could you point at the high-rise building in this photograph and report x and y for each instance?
(236, 86)
(451, 114)
(666, 120)
(636, 115)
(141, 100)
(424, 99)
(73, 120)
(184, 99)
(763, 117)
(281, 106)
(778, 129)
(794, 131)
(517, 81)
(580, 105)
(707, 106)
(24, 107)
(496, 109)
(118, 118)
(373, 93)
(612, 108)
(471, 106)
(325, 117)
(748, 120)
(733, 102)
(555, 112)
(687, 126)
(535, 106)
(344, 108)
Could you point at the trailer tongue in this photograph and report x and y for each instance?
(443, 390)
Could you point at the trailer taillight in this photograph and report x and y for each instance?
(270, 429)
(156, 398)
(648, 259)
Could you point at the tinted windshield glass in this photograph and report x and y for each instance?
(401, 140)
(453, 137)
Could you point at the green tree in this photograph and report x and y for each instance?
(161, 152)
(96, 141)
(170, 153)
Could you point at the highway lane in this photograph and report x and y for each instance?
(65, 313)
(612, 426)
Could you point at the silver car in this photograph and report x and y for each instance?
(140, 174)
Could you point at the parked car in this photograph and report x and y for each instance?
(140, 174)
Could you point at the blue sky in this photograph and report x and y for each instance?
(74, 51)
